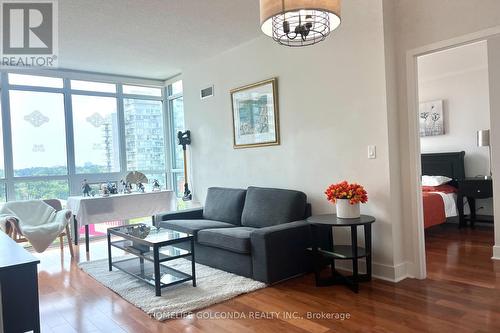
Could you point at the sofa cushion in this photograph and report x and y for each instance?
(224, 204)
(265, 207)
(193, 226)
(235, 239)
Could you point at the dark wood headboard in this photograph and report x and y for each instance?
(444, 164)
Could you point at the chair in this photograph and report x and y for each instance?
(12, 227)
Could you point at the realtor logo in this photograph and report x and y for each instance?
(29, 33)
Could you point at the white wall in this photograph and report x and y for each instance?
(332, 106)
(459, 77)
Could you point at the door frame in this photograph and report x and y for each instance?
(416, 206)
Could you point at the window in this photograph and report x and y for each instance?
(146, 91)
(178, 126)
(38, 135)
(65, 130)
(2, 168)
(3, 193)
(176, 107)
(176, 88)
(96, 134)
(36, 81)
(93, 86)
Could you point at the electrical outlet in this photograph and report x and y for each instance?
(372, 152)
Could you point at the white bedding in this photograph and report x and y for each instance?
(450, 204)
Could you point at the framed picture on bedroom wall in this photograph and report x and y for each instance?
(256, 115)
(431, 118)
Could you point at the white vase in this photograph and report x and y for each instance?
(347, 211)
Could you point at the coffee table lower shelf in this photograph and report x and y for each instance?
(144, 271)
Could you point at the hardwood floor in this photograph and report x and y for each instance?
(461, 294)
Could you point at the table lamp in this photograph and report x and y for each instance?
(483, 140)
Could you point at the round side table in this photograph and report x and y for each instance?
(326, 223)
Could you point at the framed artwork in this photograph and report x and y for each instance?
(255, 115)
(431, 118)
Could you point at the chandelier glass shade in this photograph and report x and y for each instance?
(297, 23)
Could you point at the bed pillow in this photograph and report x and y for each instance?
(435, 180)
(441, 188)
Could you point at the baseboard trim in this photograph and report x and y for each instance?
(496, 252)
(380, 271)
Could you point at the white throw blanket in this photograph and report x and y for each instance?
(40, 223)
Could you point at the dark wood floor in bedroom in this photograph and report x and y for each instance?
(461, 294)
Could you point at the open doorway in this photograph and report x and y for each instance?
(454, 136)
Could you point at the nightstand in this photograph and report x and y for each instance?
(472, 189)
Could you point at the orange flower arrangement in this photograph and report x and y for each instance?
(355, 193)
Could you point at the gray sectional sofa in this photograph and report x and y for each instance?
(259, 233)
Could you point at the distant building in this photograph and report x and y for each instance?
(144, 135)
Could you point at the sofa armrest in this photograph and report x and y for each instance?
(280, 252)
(188, 214)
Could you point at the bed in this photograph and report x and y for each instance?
(440, 202)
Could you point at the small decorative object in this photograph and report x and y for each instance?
(86, 188)
(136, 177)
(112, 188)
(431, 118)
(347, 198)
(156, 185)
(255, 115)
(141, 231)
(104, 190)
(184, 141)
(298, 23)
(122, 186)
(125, 187)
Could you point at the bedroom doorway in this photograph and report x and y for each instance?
(455, 158)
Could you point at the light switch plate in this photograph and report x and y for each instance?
(372, 152)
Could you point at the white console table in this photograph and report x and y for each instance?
(93, 210)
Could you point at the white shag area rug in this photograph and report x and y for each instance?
(212, 286)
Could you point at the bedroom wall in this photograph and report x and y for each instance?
(332, 106)
(459, 77)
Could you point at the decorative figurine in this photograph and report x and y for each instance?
(86, 188)
(137, 178)
(156, 185)
(112, 188)
(104, 190)
(123, 186)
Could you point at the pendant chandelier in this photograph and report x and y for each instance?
(297, 23)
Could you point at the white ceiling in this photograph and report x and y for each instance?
(150, 38)
(453, 61)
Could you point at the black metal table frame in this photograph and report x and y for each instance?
(336, 278)
(156, 257)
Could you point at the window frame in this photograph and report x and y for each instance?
(74, 179)
(173, 136)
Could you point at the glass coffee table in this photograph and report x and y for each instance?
(152, 248)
